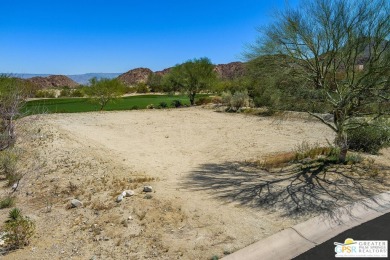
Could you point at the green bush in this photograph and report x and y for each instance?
(45, 93)
(176, 103)
(65, 92)
(19, 229)
(142, 88)
(163, 105)
(204, 101)
(369, 138)
(77, 93)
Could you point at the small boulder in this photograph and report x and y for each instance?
(76, 203)
(119, 198)
(148, 189)
(128, 193)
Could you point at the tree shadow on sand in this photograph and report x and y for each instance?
(306, 187)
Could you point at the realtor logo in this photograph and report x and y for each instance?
(361, 248)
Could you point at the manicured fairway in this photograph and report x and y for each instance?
(74, 105)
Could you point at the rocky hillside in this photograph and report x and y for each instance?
(53, 81)
(231, 70)
(135, 76)
(163, 72)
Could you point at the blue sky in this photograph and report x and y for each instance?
(74, 37)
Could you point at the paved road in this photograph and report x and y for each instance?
(376, 229)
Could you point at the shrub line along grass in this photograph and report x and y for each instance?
(75, 105)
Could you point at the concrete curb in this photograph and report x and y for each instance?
(296, 240)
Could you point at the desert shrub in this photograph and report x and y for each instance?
(7, 202)
(66, 92)
(216, 100)
(369, 138)
(312, 151)
(8, 165)
(226, 97)
(150, 106)
(239, 99)
(204, 100)
(142, 88)
(77, 93)
(19, 229)
(163, 105)
(176, 103)
(130, 90)
(45, 93)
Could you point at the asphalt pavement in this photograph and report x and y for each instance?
(376, 229)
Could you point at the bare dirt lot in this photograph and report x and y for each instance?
(95, 156)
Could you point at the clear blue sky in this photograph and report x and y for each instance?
(74, 37)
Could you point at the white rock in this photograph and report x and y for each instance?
(148, 189)
(119, 198)
(76, 203)
(128, 193)
(130, 218)
(123, 194)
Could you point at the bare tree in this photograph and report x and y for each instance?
(13, 93)
(341, 47)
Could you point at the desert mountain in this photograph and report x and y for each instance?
(231, 70)
(134, 76)
(225, 71)
(52, 81)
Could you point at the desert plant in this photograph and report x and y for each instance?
(7, 202)
(340, 48)
(45, 93)
(142, 88)
(369, 138)
(13, 93)
(104, 91)
(19, 229)
(65, 92)
(239, 99)
(204, 100)
(176, 103)
(77, 93)
(8, 165)
(226, 97)
(191, 77)
(163, 105)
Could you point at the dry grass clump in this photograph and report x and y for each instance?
(277, 160)
(306, 151)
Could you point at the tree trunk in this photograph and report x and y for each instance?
(192, 98)
(342, 143)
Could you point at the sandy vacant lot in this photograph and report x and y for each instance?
(95, 156)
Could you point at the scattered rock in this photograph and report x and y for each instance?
(128, 193)
(119, 198)
(148, 189)
(15, 186)
(76, 203)
(130, 218)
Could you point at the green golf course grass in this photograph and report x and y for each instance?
(75, 105)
